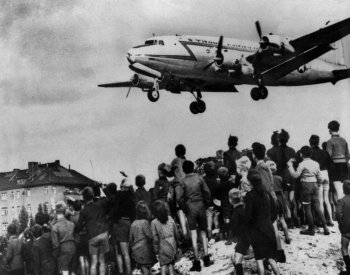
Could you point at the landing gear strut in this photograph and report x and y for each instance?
(153, 94)
(198, 106)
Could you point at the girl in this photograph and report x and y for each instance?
(165, 237)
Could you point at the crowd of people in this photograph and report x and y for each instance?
(242, 197)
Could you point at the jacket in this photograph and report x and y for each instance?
(343, 214)
(14, 253)
(62, 231)
(44, 262)
(337, 148)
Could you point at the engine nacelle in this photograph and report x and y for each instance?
(142, 81)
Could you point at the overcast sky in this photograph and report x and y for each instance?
(54, 53)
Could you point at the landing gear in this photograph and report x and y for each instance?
(259, 93)
(198, 106)
(153, 95)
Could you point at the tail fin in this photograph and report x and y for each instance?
(336, 56)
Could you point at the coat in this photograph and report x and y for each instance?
(14, 253)
(343, 214)
(44, 262)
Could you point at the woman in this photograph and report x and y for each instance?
(260, 212)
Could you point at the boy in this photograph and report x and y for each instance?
(63, 242)
(194, 197)
(310, 179)
(343, 217)
(231, 155)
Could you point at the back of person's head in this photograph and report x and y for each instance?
(111, 189)
(41, 218)
(88, 194)
(346, 187)
(223, 173)
(314, 140)
(188, 167)
(272, 165)
(306, 151)
(96, 190)
(27, 233)
(180, 150)
(164, 169)
(142, 211)
(140, 180)
(324, 145)
(274, 139)
(283, 137)
(232, 141)
(37, 230)
(76, 205)
(12, 229)
(160, 211)
(235, 195)
(259, 150)
(209, 168)
(333, 126)
(61, 207)
(255, 180)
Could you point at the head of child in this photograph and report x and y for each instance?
(142, 211)
(259, 151)
(314, 140)
(188, 167)
(333, 127)
(180, 150)
(28, 235)
(274, 139)
(255, 180)
(283, 137)
(209, 169)
(163, 170)
(346, 187)
(272, 165)
(160, 211)
(60, 208)
(223, 173)
(12, 229)
(88, 194)
(243, 165)
(306, 152)
(37, 230)
(232, 142)
(235, 196)
(140, 181)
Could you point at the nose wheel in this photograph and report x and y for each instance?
(153, 95)
(259, 93)
(198, 106)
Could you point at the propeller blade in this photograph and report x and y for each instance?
(207, 66)
(219, 48)
(128, 91)
(258, 28)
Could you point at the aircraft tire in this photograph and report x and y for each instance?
(153, 95)
(255, 93)
(194, 108)
(201, 106)
(263, 92)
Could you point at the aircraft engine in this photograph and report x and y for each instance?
(271, 41)
(142, 81)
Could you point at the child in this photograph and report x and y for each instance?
(165, 237)
(63, 242)
(140, 239)
(239, 229)
(243, 165)
(310, 178)
(343, 217)
(280, 203)
(27, 251)
(14, 257)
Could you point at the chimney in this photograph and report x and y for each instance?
(32, 168)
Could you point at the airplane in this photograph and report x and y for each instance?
(196, 64)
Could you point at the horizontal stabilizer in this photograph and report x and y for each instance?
(340, 74)
(116, 84)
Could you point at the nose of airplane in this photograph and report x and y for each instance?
(130, 56)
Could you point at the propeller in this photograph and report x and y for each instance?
(258, 28)
(128, 91)
(219, 58)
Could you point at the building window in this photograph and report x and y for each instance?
(54, 189)
(18, 209)
(13, 211)
(29, 208)
(46, 190)
(28, 192)
(46, 207)
(12, 195)
(4, 196)
(4, 226)
(18, 194)
(4, 211)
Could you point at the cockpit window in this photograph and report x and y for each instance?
(154, 42)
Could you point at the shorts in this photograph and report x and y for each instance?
(309, 192)
(66, 258)
(82, 243)
(196, 216)
(121, 230)
(243, 244)
(340, 172)
(99, 244)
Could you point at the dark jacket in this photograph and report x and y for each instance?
(343, 214)
(213, 185)
(44, 262)
(266, 177)
(276, 155)
(238, 222)
(124, 206)
(322, 157)
(14, 253)
(193, 189)
(161, 189)
(28, 256)
(230, 157)
(141, 194)
(94, 217)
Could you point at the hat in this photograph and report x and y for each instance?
(272, 165)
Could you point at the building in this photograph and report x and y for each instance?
(39, 184)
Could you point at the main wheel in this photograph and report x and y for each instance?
(194, 108)
(201, 106)
(263, 92)
(255, 93)
(153, 95)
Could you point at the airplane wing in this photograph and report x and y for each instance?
(323, 36)
(293, 63)
(116, 84)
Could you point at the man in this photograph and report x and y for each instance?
(231, 155)
(94, 217)
(194, 198)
